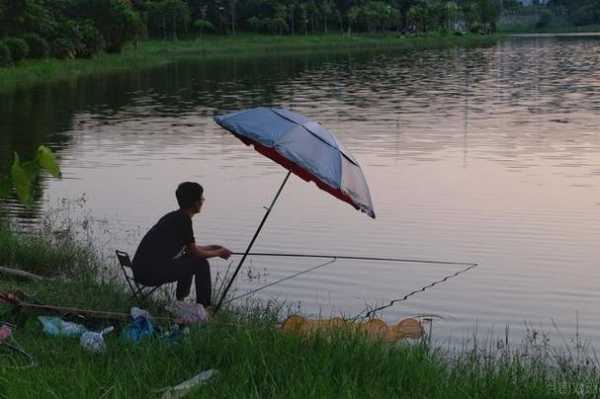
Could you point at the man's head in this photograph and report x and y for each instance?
(190, 196)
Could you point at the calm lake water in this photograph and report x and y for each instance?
(478, 155)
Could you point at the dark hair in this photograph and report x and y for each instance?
(188, 193)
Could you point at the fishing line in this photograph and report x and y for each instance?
(280, 281)
(423, 289)
(397, 260)
(335, 258)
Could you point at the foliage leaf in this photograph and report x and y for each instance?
(47, 161)
(21, 181)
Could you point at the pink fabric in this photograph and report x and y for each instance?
(5, 333)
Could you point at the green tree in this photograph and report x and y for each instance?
(279, 23)
(472, 16)
(26, 16)
(233, 4)
(327, 13)
(489, 13)
(453, 15)
(418, 18)
(167, 18)
(117, 22)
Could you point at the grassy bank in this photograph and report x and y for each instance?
(46, 254)
(154, 53)
(255, 360)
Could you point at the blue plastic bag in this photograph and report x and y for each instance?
(57, 327)
(140, 327)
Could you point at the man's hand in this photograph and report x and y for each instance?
(219, 251)
(209, 251)
(224, 253)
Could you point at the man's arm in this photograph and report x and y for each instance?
(207, 252)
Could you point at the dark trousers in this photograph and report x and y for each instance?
(182, 270)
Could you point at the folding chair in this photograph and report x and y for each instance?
(138, 290)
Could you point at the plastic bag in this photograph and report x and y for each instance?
(141, 326)
(57, 327)
(94, 341)
(5, 333)
(136, 312)
(188, 313)
(181, 390)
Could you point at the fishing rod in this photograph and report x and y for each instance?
(339, 257)
(423, 289)
(11, 299)
(334, 258)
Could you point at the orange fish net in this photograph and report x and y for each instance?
(374, 328)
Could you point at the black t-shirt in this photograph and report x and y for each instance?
(165, 240)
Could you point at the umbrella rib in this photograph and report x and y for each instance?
(317, 136)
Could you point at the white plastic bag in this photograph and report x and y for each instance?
(94, 341)
(188, 313)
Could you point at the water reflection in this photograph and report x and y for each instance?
(487, 155)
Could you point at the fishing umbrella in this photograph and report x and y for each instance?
(304, 148)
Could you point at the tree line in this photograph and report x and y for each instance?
(82, 28)
(563, 13)
(578, 12)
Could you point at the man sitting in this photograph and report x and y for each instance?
(168, 252)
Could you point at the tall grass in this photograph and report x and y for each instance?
(45, 255)
(154, 53)
(62, 243)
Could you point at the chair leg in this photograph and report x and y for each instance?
(144, 295)
(152, 290)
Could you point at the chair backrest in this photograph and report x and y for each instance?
(124, 259)
(125, 263)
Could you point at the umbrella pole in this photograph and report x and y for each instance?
(237, 270)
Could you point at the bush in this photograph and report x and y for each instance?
(92, 41)
(5, 57)
(18, 48)
(64, 48)
(255, 23)
(38, 46)
(117, 22)
(544, 20)
(475, 27)
(67, 43)
(202, 26)
(586, 15)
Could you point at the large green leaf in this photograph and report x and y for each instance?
(21, 181)
(46, 160)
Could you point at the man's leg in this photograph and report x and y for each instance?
(183, 287)
(203, 284)
(187, 267)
